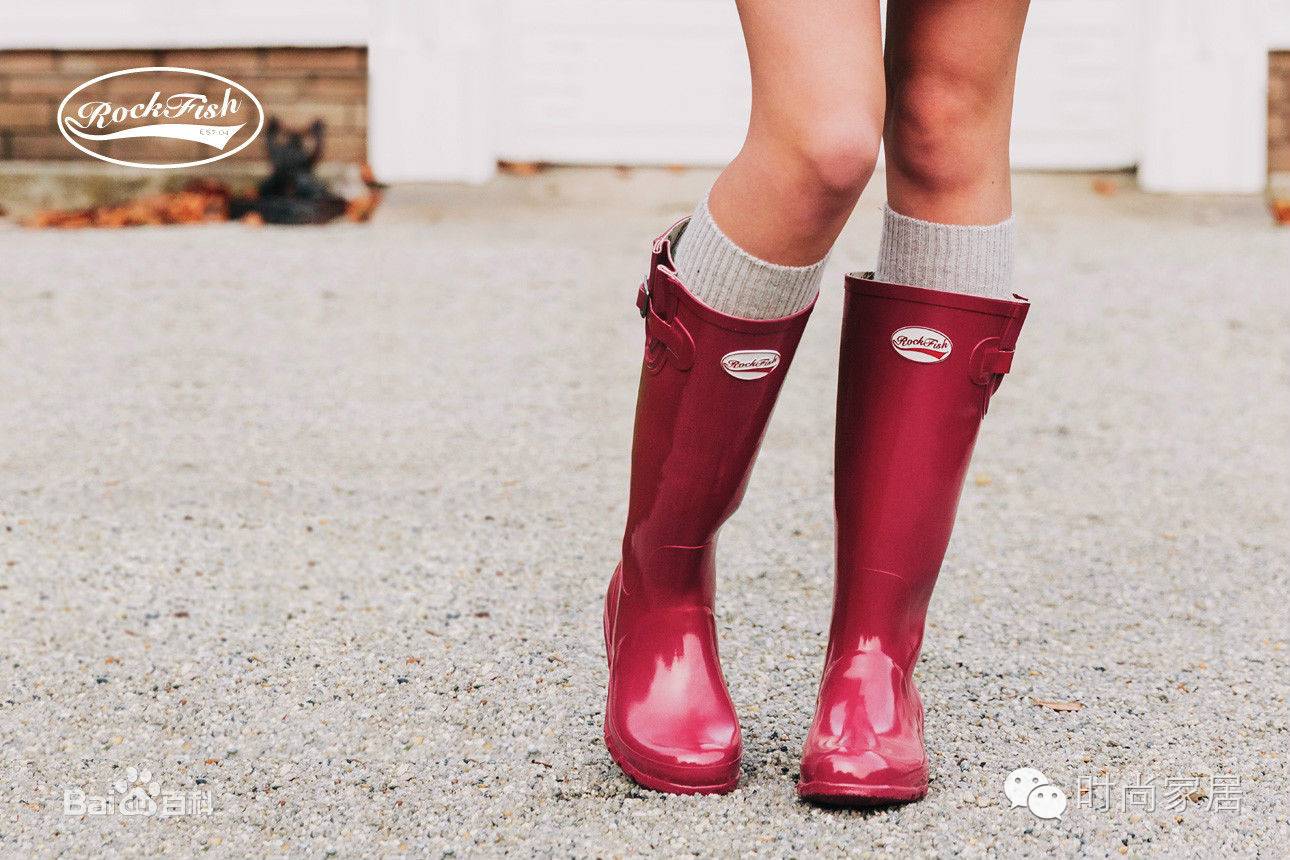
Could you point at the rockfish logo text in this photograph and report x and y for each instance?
(165, 102)
(750, 363)
(924, 345)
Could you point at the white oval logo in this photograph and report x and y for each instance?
(924, 345)
(164, 117)
(750, 363)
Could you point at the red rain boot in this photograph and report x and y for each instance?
(707, 387)
(916, 373)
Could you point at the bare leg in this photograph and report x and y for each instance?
(817, 105)
(951, 70)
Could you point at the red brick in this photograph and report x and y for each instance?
(349, 147)
(330, 88)
(151, 150)
(51, 86)
(300, 114)
(132, 92)
(26, 61)
(275, 93)
(309, 59)
(95, 63)
(26, 114)
(1279, 157)
(42, 147)
(228, 62)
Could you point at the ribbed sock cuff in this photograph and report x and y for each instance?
(960, 258)
(728, 279)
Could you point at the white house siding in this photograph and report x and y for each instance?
(1176, 87)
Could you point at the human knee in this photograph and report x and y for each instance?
(836, 156)
(943, 129)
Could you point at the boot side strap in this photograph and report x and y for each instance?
(992, 357)
(672, 334)
(990, 361)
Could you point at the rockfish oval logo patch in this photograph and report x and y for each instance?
(160, 117)
(750, 363)
(924, 345)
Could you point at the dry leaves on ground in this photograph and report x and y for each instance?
(1281, 211)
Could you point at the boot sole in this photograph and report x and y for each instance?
(841, 794)
(656, 783)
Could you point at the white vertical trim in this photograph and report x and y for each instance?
(430, 95)
(1205, 107)
(1277, 22)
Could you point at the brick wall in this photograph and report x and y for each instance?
(295, 84)
(1279, 111)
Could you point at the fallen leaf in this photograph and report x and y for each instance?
(521, 168)
(984, 480)
(1059, 706)
(361, 209)
(1106, 187)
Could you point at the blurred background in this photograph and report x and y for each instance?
(1192, 95)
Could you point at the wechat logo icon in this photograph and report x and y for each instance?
(1028, 787)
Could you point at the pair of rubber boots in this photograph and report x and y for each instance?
(917, 370)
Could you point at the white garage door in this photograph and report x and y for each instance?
(617, 81)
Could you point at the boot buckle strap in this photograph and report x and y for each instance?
(674, 336)
(990, 362)
(670, 333)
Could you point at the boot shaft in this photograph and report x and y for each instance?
(708, 385)
(916, 373)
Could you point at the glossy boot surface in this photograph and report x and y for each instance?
(917, 370)
(707, 387)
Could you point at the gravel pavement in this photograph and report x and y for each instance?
(314, 524)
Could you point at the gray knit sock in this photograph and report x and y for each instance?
(728, 279)
(953, 257)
